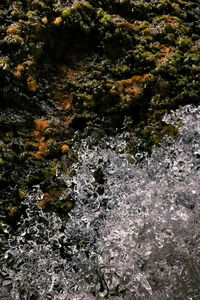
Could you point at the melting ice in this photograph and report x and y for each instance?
(134, 233)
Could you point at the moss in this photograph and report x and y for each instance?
(12, 211)
(66, 12)
(88, 101)
(2, 162)
(184, 43)
(171, 130)
(62, 207)
(22, 193)
(77, 7)
(14, 40)
(51, 171)
(70, 69)
(104, 18)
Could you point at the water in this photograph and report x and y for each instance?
(134, 233)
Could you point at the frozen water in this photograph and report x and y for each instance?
(134, 232)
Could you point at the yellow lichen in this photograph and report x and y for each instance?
(134, 90)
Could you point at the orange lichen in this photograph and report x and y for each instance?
(136, 78)
(64, 148)
(41, 124)
(165, 51)
(32, 84)
(69, 121)
(70, 75)
(37, 156)
(17, 74)
(13, 29)
(44, 20)
(42, 144)
(37, 135)
(42, 148)
(134, 90)
(58, 21)
(46, 199)
(20, 68)
(132, 86)
(142, 78)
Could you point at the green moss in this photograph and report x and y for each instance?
(51, 171)
(76, 7)
(62, 207)
(14, 40)
(88, 101)
(66, 12)
(53, 147)
(184, 43)
(2, 162)
(31, 14)
(106, 20)
(171, 130)
(148, 56)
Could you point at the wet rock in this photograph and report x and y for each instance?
(68, 68)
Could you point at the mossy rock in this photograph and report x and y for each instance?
(85, 68)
